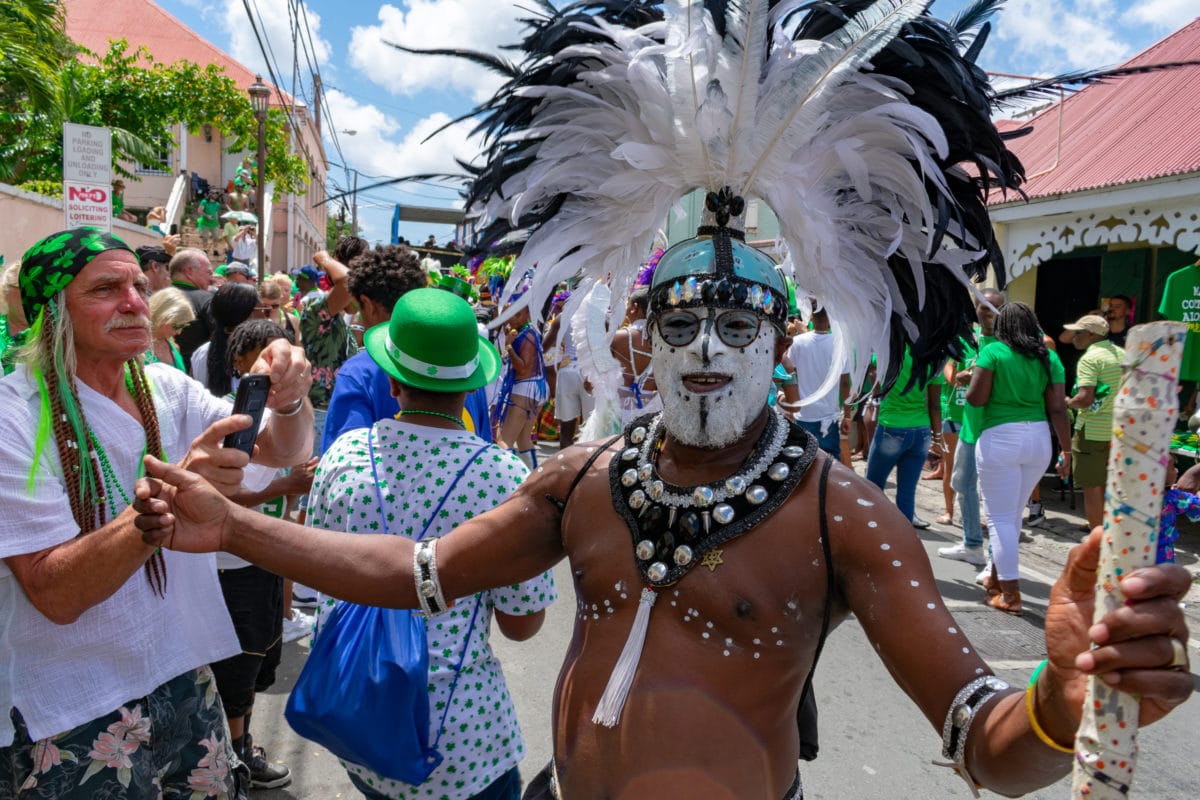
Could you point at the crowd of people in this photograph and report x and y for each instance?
(713, 523)
(395, 409)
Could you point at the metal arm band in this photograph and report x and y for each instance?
(425, 577)
(972, 697)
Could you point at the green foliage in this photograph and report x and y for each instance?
(35, 46)
(47, 188)
(141, 99)
(336, 226)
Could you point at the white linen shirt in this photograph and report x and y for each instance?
(127, 645)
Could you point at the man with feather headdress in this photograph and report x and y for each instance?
(712, 546)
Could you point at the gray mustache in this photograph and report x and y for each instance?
(137, 321)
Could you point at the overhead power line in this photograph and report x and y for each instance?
(273, 72)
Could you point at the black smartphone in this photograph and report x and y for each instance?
(251, 399)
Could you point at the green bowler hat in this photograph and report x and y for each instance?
(432, 342)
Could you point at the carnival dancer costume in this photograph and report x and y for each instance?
(864, 126)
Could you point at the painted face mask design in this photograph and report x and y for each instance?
(711, 391)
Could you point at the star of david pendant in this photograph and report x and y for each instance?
(712, 559)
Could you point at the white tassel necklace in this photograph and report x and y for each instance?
(608, 712)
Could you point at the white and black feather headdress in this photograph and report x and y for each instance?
(864, 126)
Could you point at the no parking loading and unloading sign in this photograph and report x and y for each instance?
(87, 176)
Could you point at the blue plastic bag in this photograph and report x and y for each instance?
(363, 692)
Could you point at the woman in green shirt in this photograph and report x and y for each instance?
(908, 417)
(1017, 384)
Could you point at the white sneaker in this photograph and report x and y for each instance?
(1036, 515)
(984, 573)
(960, 552)
(303, 597)
(299, 626)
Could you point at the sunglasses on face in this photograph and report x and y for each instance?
(734, 328)
(269, 308)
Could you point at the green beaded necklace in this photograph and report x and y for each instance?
(106, 468)
(110, 475)
(456, 420)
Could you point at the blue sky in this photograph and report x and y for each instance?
(392, 101)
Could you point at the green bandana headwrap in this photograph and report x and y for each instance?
(52, 263)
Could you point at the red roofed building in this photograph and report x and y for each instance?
(1113, 180)
(297, 222)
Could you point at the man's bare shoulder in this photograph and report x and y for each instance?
(556, 475)
(859, 516)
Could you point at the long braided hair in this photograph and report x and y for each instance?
(231, 306)
(1018, 327)
(53, 348)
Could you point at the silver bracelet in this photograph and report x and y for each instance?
(972, 697)
(425, 578)
(294, 411)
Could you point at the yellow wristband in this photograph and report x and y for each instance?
(1033, 722)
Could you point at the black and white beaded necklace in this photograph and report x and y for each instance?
(674, 528)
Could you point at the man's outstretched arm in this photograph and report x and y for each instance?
(516, 541)
(885, 576)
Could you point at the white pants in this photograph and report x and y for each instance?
(1011, 459)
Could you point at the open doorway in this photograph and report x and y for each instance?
(1067, 288)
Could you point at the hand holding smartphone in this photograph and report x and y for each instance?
(251, 399)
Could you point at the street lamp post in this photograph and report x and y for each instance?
(353, 196)
(260, 97)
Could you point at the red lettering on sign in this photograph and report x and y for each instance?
(87, 195)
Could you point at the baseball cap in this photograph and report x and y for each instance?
(240, 268)
(307, 271)
(1091, 323)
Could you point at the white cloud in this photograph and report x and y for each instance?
(276, 29)
(1166, 15)
(382, 146)
(1054, 37)
(481, 25)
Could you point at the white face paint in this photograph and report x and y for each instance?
(713, 392)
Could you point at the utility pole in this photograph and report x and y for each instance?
(354, 206)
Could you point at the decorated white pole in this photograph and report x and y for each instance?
(1144, 415)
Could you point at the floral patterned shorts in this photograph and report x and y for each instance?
(172, 744)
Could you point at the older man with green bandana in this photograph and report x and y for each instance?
(106, 639)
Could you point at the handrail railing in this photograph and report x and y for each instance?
(178, 200)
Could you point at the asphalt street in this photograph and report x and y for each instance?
(875, 744)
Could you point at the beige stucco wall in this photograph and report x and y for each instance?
(29, 217)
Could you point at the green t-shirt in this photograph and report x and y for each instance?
(970, 416)
(1181, 303)
(1018, 385)
(1100, 366)
(901, 409)
(954, 398)
(207, 218)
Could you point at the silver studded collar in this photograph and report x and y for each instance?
(674, 527)
(711, 494)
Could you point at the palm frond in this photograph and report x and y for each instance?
(1049, 88)
(487, 60)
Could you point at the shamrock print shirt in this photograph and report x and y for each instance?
(416, 466)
